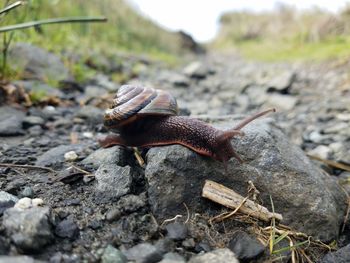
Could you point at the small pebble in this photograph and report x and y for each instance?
(37, 202)
(70, 156)
(88, 134)
(321, 151)
(27, 192)
(113, 214)
(24, 203)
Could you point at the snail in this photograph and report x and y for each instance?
(145, 116)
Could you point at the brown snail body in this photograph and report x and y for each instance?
(147, 117)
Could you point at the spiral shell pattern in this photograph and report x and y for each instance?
(132, 102)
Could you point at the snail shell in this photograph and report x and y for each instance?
(133, 102)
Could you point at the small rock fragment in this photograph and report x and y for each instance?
(321, 151)
(143, 252)
(245, 247)
(24, 203)
(176, 231)
(113, 214)
(67, 229)
(29, 229)
(113, 255)
(70, 156)
(223, 255)
(27, 192)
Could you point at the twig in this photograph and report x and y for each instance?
(79, 169)
(335, 164)
(229, 198)
(10, 165)
(52, 21)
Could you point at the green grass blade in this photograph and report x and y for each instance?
(290, 247)
(273, 226)
(10, 7)
(281, 237)
(52, 21)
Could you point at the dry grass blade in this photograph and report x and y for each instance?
(335, 164)
(138, 157)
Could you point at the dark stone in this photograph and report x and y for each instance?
(165, 245)
(202, 246)
(176, 231)
(4, 245)
(245, 247)
(67, 228)
(143, 253)
(309, 200)
(95, 224)
(11, 121)
(340, 256)
(29, 229)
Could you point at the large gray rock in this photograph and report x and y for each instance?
(309, 200)
(29, 229)
(340, 256)
(55, 156)
(222, 255)
(37, 63)
(110, 155)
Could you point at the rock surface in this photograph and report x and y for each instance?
(340, 256)
(113, 181)
(307, 198)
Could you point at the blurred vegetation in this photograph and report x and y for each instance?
(125, 31)
(286, 34)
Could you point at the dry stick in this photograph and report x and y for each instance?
(342, 166)
(229, 198)
(10, 165)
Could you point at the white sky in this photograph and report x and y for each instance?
(200, 17)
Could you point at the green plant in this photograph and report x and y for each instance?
(11, 28)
